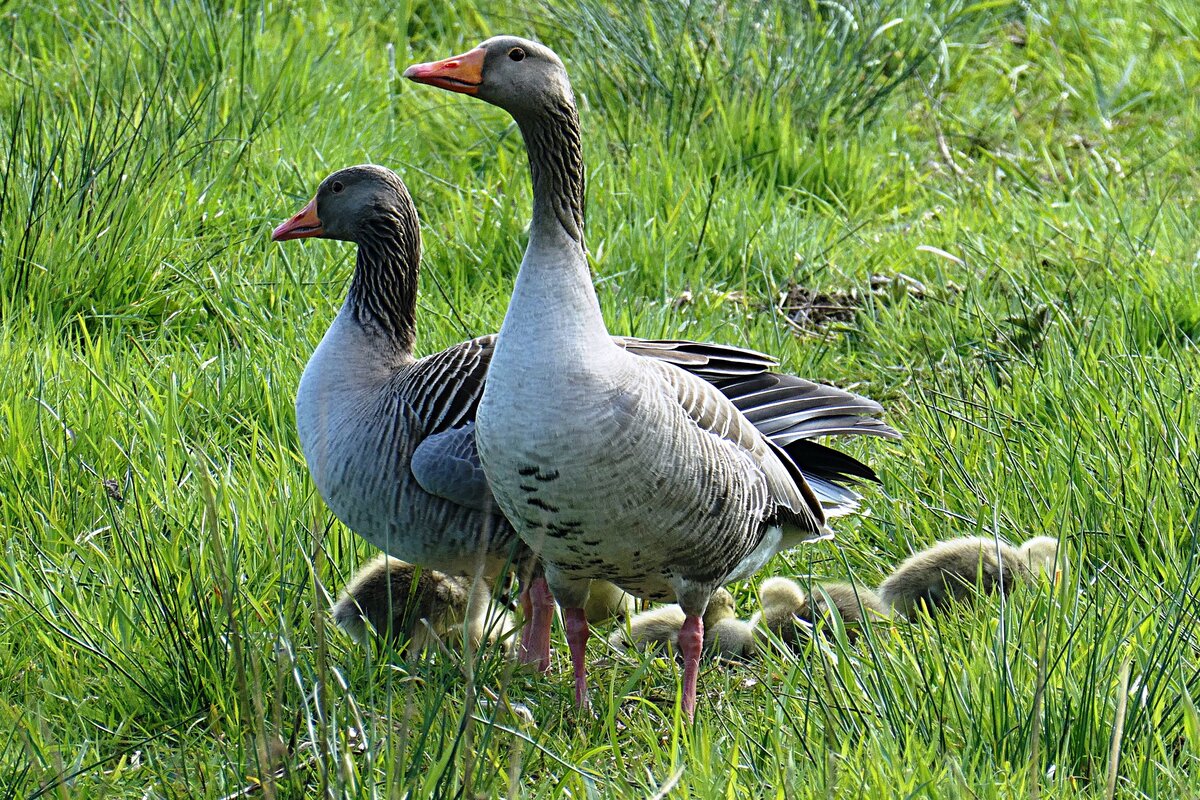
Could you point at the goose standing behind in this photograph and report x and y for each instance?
(954, 570)
(388, 437)
(611, 467)
(412, 605)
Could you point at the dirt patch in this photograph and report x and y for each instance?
(813, 312)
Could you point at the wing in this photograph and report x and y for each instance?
(712, 362)
(795, 505)
(792, 411)
(447, 464)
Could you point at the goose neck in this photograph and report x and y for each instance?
(554, 144)
(554, 301)
(383, 292)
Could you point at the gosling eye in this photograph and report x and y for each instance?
(516, 54)
(337, 187)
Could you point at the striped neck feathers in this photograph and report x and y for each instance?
(554, 143)
(383, 293)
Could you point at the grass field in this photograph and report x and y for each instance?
(1032, 168)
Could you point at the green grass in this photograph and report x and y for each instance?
(165, 563)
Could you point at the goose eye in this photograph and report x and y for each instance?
(337, 187)
(516, 54)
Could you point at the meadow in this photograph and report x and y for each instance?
(983, 214)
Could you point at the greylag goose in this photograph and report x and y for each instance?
(617, 468)
(953, 570)
(388, 438)
(724, 633)
(411, 605)
(784, 604)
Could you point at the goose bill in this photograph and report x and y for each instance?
(301, 226)
(461, 74)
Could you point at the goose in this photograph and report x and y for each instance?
(411, 605)
(389, 438)
(617, 468)
(784, 604)
(953, 570)
(724, 633)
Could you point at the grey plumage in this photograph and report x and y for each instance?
(388, 438)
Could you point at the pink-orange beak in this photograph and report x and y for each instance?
(301, 226)
(456, 74)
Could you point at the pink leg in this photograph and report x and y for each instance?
(577, 636)
(535, 638)
(527, 628)
(691, 641)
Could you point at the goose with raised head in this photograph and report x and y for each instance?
(388, 437)
(411, 606)
(617, 468)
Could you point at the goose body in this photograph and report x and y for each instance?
(360, 423)
(608, 466)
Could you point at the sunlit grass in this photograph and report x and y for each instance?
(165, 563)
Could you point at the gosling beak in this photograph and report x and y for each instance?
(461, 74)
(301, 226)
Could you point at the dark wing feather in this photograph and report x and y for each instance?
(712, 362)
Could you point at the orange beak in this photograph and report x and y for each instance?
(461, 74)
(301, 226)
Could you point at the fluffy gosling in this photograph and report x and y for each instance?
(607, 601)
(1041, 555)
(724, 634)
(953, 570)
(784, 604)
(413, 606)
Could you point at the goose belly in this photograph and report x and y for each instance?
(608, 483)
(354, 434)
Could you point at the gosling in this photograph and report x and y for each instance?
(784, 605)
(412, 606)
(1041, 556)
(607, 601)
(724, 634)
(954, 570)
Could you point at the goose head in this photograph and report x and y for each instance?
(515, 74)
(349, 203)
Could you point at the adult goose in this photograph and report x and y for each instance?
(389, 438)
(614, 467)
